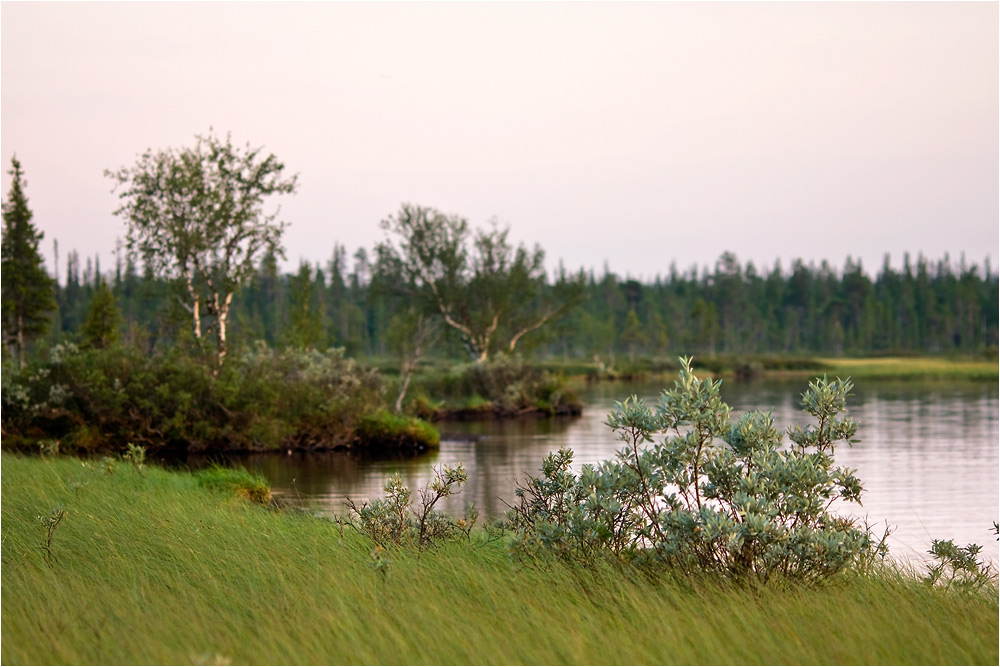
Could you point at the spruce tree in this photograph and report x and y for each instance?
(28, 291)
(101, 328)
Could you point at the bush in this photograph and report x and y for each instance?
(303, 399)
(502, 385)
(709, 494)
(394, 521)
(93, 399)
(100, 399)
(959, 567)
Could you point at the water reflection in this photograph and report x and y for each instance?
(928, 455)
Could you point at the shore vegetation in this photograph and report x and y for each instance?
(160, 568)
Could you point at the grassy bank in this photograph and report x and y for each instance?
(896, 368)
(893, 368)
(158, 567)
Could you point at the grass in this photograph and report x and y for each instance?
(162, 568)
(386, 431)
(912, 368)
(237, 481)
(888, 368)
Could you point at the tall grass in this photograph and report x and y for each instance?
(159, 568)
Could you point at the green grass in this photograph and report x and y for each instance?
(160, 568)
(912, 368)
(384, 430)
(236, 481)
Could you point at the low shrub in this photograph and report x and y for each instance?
(503, 385)
(709, 495)
(101, 399)
(959, 567)
(395, 521)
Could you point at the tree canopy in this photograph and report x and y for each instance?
(490, 292)
(196, 215)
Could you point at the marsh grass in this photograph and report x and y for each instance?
(160, 568)
(892, 368)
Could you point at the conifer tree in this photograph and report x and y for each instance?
(101, 328)
(632, 334)
(306, 316)
(28, 291)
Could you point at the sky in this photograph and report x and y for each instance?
(621, 135)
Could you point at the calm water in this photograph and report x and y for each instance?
(928, 456)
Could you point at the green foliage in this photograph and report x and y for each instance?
(305, 329)
(236, 481)
(395, 521)
(101, 328)
(28, 291)
(97, 399)
(311, 398)
(108, 465)
(410, 335)
(959, 567)
(501, 386)
(380, 562)
(490, 293)
(709, 495)
(135, 455)
(632, 334)
(386, 431)
(162, 570)
(48, 448)
(930, 307)
(196, 216)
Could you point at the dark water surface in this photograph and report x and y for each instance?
(928, 456)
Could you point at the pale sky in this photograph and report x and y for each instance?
(631, 134)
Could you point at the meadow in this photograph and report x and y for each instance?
(152, 566)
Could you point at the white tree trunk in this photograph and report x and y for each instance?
(195, 307)
(222, 314)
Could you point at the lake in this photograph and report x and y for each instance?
(928, 456)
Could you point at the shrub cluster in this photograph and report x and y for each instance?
(99, 399)
(500, 386)
(708, 493)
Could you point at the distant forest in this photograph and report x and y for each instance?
(926, 307)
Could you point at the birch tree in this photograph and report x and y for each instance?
(491, 293)
(196, 215)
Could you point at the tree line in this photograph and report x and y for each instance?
(922, 307)
(201, 255)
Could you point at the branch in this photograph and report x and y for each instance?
(549, 315)
(444, 311)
